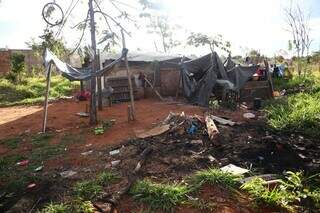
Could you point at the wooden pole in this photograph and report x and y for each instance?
(99, 84)
(45, 109)
(154, 89)
(93, 99)
(129, 78)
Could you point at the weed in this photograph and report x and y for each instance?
(105, 178)
(11, 143)
(290, 190)
(55, 208)
(87, 190)
(41, 139)
(214, 176)
(98, 130)
(80, 206)
(158, 195)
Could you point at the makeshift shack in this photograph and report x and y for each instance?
(206, 75)
(161, 70)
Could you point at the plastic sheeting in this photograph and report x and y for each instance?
(199, 76)
(74, 74)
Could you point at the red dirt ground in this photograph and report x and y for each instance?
(62, 119)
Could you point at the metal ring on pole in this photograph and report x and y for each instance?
(52, 4)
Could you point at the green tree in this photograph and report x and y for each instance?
(17, 66)
(57, 46)
(199, 39)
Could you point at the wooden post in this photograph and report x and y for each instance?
(45, 108)
(179, 83)
(93, 99)
(129, 78)
(99, 84)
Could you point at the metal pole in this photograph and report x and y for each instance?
(45, 108)
(129, 77)
(93, 103)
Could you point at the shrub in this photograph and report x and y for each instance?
(55, 208)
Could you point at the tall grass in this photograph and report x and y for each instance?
(299, 111)
(32, 90)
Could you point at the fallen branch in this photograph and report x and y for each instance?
(155, 91)
(131, 178)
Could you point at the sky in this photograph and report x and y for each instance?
(247, 24)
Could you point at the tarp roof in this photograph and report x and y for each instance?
(141, 56)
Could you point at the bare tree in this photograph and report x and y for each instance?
(298, 23)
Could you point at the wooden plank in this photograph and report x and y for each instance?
(223, 121)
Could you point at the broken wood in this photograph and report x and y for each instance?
(154, 132)
(223, 121)
(131, 178)
(211, 127)
(152, 87)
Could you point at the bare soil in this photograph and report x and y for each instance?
(174, 157)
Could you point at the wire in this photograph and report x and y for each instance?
(44, 15)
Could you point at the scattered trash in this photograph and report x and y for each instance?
(23, 163)
(153, 132)
(31, 186)
(249, 115)
(223, 121)
(260, 158)
(38, 169)
(115, 162)
(192, 130)
(67, 174)
(114, 152)
(234, 169)
(83, 114)
(87, 153)
(88, 145)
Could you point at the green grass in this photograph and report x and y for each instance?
(70, 138)
(159, 195)
(297, 113)
(11, 143)
(214, 176)
(106, 178)
(87, 190)
(32, 89)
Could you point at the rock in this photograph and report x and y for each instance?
(115, 163)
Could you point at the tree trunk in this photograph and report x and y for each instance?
(93, 107)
